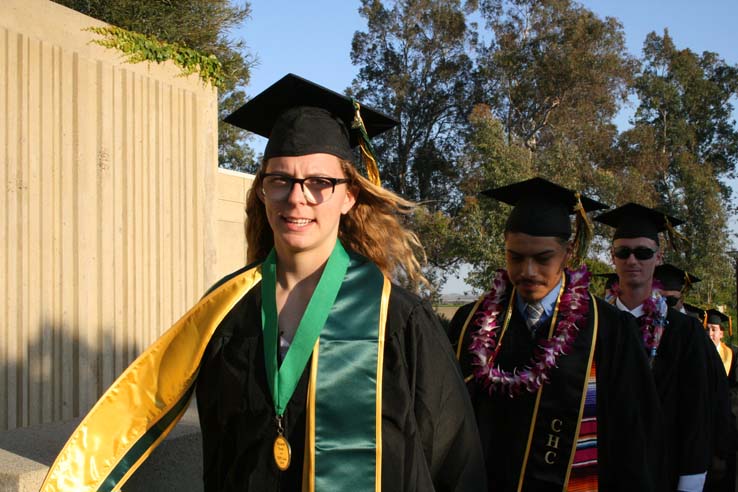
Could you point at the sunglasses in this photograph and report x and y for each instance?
(641, 253)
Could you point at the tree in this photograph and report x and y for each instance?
(414, 65)
(551, 60)
(552, 78)
(555, 75)
(493, 160)
(682, 148)
(202, 25)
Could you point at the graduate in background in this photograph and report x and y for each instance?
(674, 344)
(675, 284)
(560, 385)
(714, 325)
(721, 476)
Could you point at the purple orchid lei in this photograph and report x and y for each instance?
(653, 322)
(485, 346)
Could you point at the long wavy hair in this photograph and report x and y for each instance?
(373, 227)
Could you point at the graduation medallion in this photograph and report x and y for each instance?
(283, 378)
(282, 453)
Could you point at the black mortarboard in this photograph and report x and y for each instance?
(674, 278)
(715, 317)
(694, 311)
(541, 208)
(633, 220)
(300, 117)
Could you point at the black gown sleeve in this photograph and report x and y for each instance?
(696, 416)
(441, 409)
(628, 417)
(455, 336)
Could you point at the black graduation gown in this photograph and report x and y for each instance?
(429, 436)
(627, 405)
(721, 475)
(680, 372)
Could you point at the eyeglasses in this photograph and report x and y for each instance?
(641, 253)
(316, 189)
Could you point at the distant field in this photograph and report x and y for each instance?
(446, 311)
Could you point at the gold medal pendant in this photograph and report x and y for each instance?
(282, 453)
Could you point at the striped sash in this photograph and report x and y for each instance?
(583, 476)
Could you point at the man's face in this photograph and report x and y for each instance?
(535, 264)
(634, 272)
(716, 333)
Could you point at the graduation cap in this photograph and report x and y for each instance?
(715, 317)
(300, 117)
(674, 278)
(542, 208)
(694, 311)
(634, 220)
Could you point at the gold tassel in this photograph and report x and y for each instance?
(367, 151)
(687, 284)
(673, 235)
(583, 232)
(730, 326)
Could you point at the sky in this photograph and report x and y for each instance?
(312, 38)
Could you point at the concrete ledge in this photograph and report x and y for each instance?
(176, 465)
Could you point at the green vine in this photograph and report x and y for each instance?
(140, 47)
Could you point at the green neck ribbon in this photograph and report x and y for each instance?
(283, 379)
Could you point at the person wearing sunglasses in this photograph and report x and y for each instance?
(560, 385)
(674, 344)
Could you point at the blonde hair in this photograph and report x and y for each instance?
(372, 228)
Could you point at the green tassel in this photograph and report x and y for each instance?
(368, 156)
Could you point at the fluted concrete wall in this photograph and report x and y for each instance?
(106, 227)
(230, 217)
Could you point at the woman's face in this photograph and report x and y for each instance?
(298, 225)
(716, 333)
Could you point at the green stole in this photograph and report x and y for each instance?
(343, 328)
(559, 405)
(344, 408)
(344, 412)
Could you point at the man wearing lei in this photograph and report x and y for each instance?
(674, 343)
(560, 385)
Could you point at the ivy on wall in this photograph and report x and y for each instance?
(140, 47)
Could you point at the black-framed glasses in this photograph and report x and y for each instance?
(641, 252)
(316, 189)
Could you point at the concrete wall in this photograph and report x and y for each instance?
(230, 217)
(107, 235)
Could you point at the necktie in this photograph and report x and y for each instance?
(534, 312)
